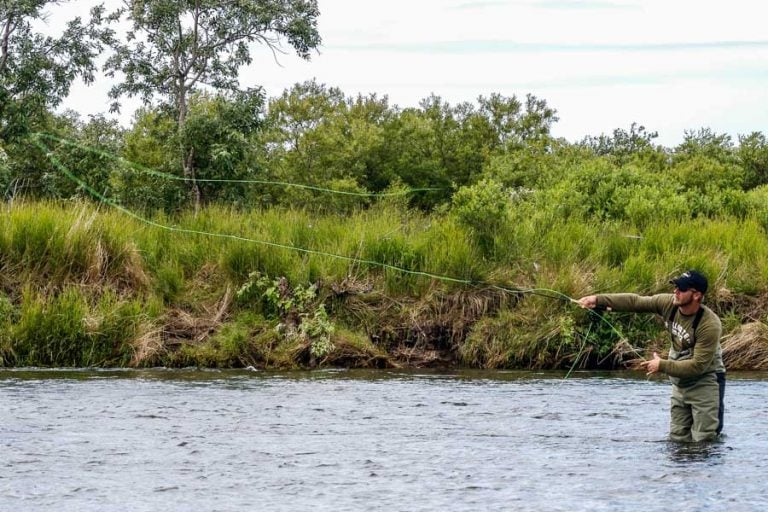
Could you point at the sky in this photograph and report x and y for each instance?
(669, 65)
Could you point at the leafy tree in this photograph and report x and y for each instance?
(90, 150)
(622, 145)
(149, 145)
(362, 131)
(415, 156)
(752, 155)
(315, 135)
(706, 173)
(705, 143)
(292, 136)
(483, 209)
(220, 129)
(174, 47)
(515, 123)
(524, 168)
(30, 171)
(37, 70)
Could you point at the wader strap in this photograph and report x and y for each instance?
(696, 321)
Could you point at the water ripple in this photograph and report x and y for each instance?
(232, 441)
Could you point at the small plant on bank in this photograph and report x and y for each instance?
(302, 317)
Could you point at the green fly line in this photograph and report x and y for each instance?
(174, 177)
(544, 292)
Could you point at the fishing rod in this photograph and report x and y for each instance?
(543, 292)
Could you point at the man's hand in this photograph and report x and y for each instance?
(652, 366)
(588, 302)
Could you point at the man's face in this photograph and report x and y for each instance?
(684, 297)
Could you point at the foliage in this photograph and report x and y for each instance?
(37, 70)
(752, 157)
(483, 209)
(87, 149)
(172, 48)
(757, 201)
(5, 174)
(81, 285)
(149, 148)
(220, 128)
(623, 145)
(706, 143)
(303, 319)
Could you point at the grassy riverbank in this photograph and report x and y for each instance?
(82, 285)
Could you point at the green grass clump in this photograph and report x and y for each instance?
(526, 337)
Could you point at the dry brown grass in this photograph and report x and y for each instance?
(186, 324)
(750, 308)
(625, 355)
(136, 277)
(747, 347)
(148, 348)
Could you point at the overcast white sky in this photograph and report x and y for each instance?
(671, 65)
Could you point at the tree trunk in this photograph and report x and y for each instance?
(189, 172)
(188, 155)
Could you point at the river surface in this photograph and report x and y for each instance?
(346, 440)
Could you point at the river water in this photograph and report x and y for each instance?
(347, 440)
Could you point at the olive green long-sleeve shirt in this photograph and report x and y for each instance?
(706, 356)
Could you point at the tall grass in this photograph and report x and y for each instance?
(79, 284)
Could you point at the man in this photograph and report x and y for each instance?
(695, 363)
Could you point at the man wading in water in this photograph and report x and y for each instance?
(695, 364)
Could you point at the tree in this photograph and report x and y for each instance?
(36, 70)
(149, 145)
(623, 145)
(316, 136)
(514, 125)
(220, 128)
(294, 146)
(753, 158)
(706, 143)
(87, 149)
(176, 46)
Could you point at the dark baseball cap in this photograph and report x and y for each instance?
(691, 279)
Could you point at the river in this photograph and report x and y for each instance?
(161, 440)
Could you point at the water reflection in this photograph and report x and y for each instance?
(712, 452)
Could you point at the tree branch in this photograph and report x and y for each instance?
(7, 30)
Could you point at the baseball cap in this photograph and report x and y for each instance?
(691, 279)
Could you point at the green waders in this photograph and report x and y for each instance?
(697, 410)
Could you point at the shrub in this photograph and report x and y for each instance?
(483, 209)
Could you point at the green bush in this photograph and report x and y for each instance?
(757, 205)
(483, 209)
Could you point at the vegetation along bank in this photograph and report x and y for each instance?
(222, 228)
(83, 285)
